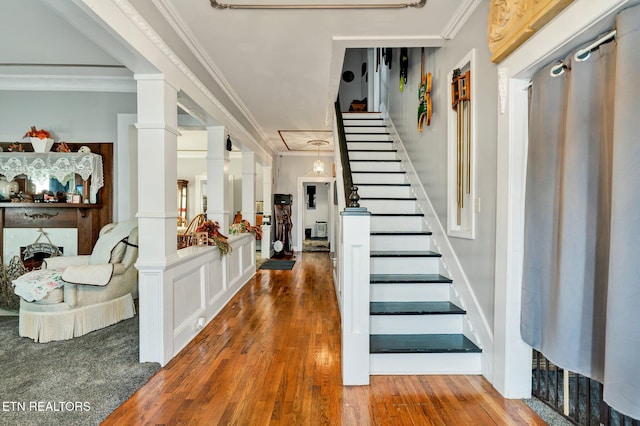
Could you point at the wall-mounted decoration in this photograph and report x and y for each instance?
(425, 107)
(348, 76)
(512, 22)
(387, 54)
(461, 104)
(404, 67)
(462, 204)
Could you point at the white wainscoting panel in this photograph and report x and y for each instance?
(178, 299)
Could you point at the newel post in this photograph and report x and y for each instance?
(356, 225)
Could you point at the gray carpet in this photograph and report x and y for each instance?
(546, 413)
(73, 382)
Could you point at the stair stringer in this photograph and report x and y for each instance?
(476, 326)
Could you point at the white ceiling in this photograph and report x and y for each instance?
(280, 68)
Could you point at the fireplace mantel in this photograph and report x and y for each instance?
(87, 218)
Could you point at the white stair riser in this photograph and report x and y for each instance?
(405, 265)
(396, 223)
(368, 122)
(381, 146)
(379, 178)
(376, 166)
(416, 324)
(400, 242)
(389, 206)
(428, 292)
(373, 155)
(354, 137)
(435, 363)
(384, 191)
(360, 115)
(365, 129)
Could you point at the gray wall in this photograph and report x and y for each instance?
(428, 150)
(70, 116)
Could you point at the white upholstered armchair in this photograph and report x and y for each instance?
(81, 293)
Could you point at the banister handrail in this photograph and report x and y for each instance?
(350, 191)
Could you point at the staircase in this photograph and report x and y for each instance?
(414, 328)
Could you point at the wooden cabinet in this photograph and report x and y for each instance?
(182, 202)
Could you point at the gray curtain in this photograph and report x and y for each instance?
(581, 276)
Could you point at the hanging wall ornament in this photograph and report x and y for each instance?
(404, 67)
(425, 107)
(388, 56)
(461, 104)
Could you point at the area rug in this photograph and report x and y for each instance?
(315, 245)
(278, 265)
(72, 382)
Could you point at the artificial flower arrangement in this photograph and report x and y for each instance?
(41, 140)
(35, 133)
(255, 230)
(215, 237)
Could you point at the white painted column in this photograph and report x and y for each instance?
(511, 356)
(356, 227)
(249, 186)
(218, 177)
(267, 196)
(157, 213)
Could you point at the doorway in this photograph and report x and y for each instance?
(314, 214)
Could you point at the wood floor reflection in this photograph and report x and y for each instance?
(272, 356)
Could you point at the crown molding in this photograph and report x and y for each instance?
(67, 83)
(459, 18)
(182, 30)
(147, 30)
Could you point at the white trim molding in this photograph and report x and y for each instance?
(68, 83)
(459, 18)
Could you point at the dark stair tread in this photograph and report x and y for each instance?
(408, 278)
(396, 214)
(374, 141)
(365, 133)
(376, 171)
(400, 233)
(372, 150)
(382, 184)
(422, 253)
(348, 127)
(389, 198)
(421, 343)
(375, 161)
(371, 141)
(414, 308)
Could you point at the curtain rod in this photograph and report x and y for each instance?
(216, 5)
(584, 53)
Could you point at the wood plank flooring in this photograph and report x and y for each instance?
(272, 356)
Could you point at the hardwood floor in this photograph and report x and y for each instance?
(272, 356)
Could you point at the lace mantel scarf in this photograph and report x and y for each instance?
(59, 165)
